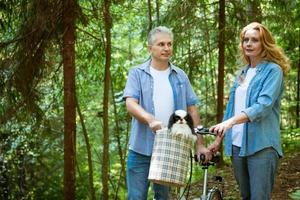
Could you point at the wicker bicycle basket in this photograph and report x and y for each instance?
(170, 158)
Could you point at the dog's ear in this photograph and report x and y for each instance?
(190, 123)
(171, 121)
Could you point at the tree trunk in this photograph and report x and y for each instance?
(254, 11)
(298, 94)
(68, 55)
(209, 80)
(149, 16)
(157, 12)
(221, 45)
(21, 175)
(88, 149)
(105, 155)
(120, 145)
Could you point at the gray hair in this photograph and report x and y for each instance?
(160, 29)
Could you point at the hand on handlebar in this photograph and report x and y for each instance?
(221, 128)
(215, 159)
(203, 150)
(200, 130)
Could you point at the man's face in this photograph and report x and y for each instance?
(161, 49)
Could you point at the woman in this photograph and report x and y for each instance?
(251, 121)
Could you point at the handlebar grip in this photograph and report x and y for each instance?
(202, 157)
(203, 131)
(215, 159)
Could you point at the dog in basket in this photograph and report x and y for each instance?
(181, 123)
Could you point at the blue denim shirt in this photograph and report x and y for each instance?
(262, 108)
(140, 86)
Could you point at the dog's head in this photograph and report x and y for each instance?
(181, 117)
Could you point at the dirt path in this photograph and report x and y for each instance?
(287, 180)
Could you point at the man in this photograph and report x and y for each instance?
(154, 90)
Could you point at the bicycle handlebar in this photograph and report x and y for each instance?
(203, 131)
(215, 159)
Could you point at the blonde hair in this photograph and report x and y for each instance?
(270, 50)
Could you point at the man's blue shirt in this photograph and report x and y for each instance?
(140, 87)
(262, 108)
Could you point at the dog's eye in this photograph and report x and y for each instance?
(177, 118)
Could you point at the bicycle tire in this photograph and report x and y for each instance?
(214, 194)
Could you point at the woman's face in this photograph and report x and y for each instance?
(252, 46)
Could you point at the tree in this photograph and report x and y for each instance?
(68, 55)
(221, 45)
(88, 149)
(105, 155)
(298, 92)
(31, 82)
(149, 15)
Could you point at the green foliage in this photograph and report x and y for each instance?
(290, 139)
(295, 195)
(31, 159)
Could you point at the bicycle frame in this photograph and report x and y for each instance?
(215, 191)
(204, 184)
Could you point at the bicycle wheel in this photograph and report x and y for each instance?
(214, 194)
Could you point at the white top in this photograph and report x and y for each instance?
(240, 105)
(162, 95)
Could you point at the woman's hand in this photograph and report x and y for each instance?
(221, 128)
(216, 145)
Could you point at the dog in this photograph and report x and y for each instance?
(181, 122)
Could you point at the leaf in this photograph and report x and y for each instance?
(295, 195)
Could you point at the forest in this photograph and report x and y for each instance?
(64, 127)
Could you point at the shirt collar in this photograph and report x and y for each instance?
(146, 66)
(259, 66)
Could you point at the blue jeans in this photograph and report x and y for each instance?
(255, 174)
(137, 178)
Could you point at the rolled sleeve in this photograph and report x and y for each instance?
(132, 88)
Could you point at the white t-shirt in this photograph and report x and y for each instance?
(240, 105)
(162, 95)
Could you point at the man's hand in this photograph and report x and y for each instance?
(203, 150)
(140, 114)
(156, 125)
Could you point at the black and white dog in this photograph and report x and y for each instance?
(181, 122)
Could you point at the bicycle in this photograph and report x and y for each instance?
(216, 191)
